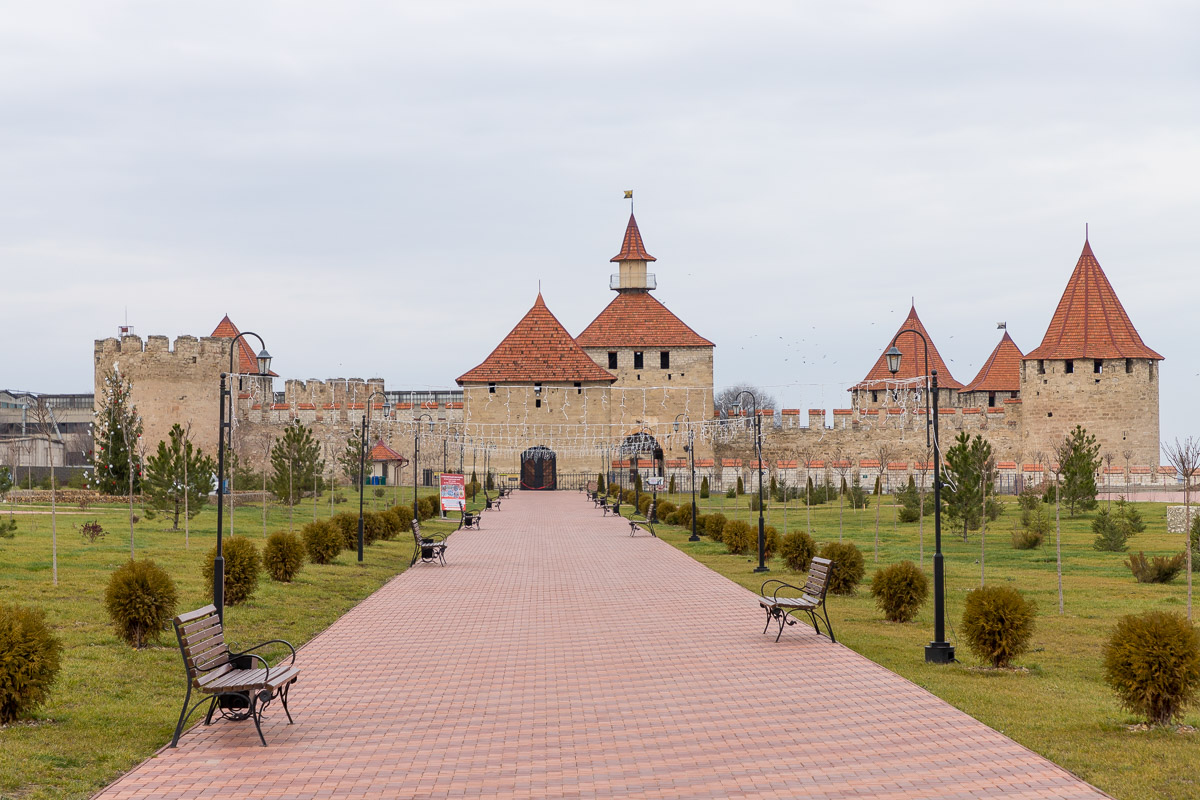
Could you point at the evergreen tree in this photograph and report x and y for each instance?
(296, 461)
(671, 487)
(740, 488)
(6, 481)
(600, 487)
(7, 527)
(350, 458)
(704, 487)
(1081, 459)
(116, 431)
(178, 470)
(967, 477)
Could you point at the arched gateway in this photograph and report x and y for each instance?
(539, 469)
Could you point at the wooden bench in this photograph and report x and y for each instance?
(228, 680)
(647, 520)
(427, 548)
(470, 520)
(810, 601)
(504, 491)
(489, 503)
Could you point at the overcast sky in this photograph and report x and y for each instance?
(378, 188)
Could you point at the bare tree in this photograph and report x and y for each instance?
(1185, 457)
(727, 400)
(922, 466)
(47, 428)
(885, 453)
(1108, 459)
(841, 466)
(1060, 453)
(1127, 454)
(806, 454)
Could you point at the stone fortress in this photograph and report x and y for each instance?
(630, 388)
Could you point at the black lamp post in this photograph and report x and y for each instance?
(762, 566)
(226, 396)
(691, 451)
(939, 651)
(362, 464)
(417, 456)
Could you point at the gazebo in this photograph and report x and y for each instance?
(385, 460)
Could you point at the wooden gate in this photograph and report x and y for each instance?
(539, 469)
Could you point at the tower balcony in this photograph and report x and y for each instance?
(632, 280)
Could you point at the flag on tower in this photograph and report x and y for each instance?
(629, 194)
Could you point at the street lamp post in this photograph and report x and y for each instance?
(226, 396)
(362, 464)
(939, 651)
(691, 451)
(762, 566)
(417, 457)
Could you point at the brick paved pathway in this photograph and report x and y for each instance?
(549, 659)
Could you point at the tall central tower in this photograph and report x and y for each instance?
(632, 275)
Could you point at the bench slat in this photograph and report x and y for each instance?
(208, 622)
(199, 612)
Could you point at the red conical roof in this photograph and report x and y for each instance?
(912, 361)
(538, 349)
(247, 362)
(381, 452)
(632, 248)
(1001, 372)
(1090, 321)
(636, 319)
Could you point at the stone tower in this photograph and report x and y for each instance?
(882, 390)
(1092, 369)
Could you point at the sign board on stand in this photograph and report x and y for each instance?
(453, 491)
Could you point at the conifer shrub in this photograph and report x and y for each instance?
(140, 600)
(428, 507)
(739, 537)
(283, 556)
(1128, 515)
(900, 590)
(731, 493)
(600, 483)
(347, 525)
(770, 541)
(741, 489)
(1029, 498)
(643, 504)
(671, 486)
(242, 566)
(374, 528)
(1035, 520)
(714, 525)
(1152, 662)
(704, 488)
(393, 523)
(848, 567)
(752, 502)
(1194, 536)
(628, 497)
(1110, 534)
(666, 508)
(322, 540)
(858, 496)
(702, 524)
(1157, 569)
(998, 623)
(797, 550)
(30, 658)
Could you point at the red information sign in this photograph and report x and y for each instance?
(453, 492)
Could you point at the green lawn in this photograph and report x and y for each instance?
(1060, 707)
(113, 706)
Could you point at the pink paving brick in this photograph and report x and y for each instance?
(547, 660)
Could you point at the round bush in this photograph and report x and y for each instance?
(30, 657)
(770, 541)
(702, 523)
(322, 540)
(998, 623)
(283, 556)
(242, 566)
(739, 537)
(683, 513)
(427, 507)
(797, 549)
(848, 568)
(627, 497)
(1023, 539)
(374, 528)
(1152, 662)
(644, 504)
(714, 525)
(141, 600)
(404, 512)
(899, 591)
(347, 525)
(393, 524)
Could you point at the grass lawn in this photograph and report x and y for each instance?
(1058, 705)
(113, 706)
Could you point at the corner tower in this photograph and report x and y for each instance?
(1092, 369)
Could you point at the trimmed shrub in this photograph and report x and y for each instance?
(30, 657)
(752, 502)
(998, 623)
(283, 556)
(704, 489)
(393, 523)
(797, 549)
(322, 540)
(1110, 536)
(702, 524)
(739, 537)
(600, 483)
(1158, 569)
(848, 567)
(740, 488)
(714, 525)
(347, 526)
(627, 497)
(374, 528)
(671, 486)
(1195, 534)
(900, 590)
(140, 600)
(770, 541)
(404, 512)
(1023, 539)
(242, 565)
(1152, 662)
(428, 507)
(666, 507)
(644, 504)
